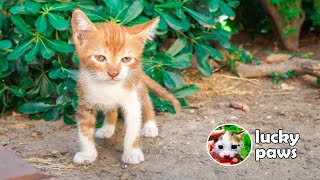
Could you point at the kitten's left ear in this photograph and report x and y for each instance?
(241, 134)
(145, 31)
(81, 26)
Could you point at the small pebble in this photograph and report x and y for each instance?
(125, 176)
(34, 134)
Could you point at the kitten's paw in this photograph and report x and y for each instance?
(85, 157)
(150, 129)
(105, 131)
(133, 156)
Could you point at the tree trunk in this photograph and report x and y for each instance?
(290, 41)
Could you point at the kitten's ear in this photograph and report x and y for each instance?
(81, 25)
(145, 31)
(241, 134)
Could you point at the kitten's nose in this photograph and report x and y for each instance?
(226, 156)
(113, 74)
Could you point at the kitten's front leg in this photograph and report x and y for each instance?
(132, 153)
(86, 125)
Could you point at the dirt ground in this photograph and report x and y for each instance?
(180, 150)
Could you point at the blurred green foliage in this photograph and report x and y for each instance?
(276, 76)
(238, 54)
(251, 17)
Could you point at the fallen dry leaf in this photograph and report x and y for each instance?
(240, 105)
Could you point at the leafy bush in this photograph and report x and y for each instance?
(38, 66)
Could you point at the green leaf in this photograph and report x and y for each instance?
(318, 82)
(32, 6)
(21, 67)
(7, 72)
(44, 85)
(94, 16)
(201, 18)
(58, 22)
(59, 46)
(18, 51)
(181, 61)
(213, 53)
(5, 44)
(114, 4)
(276, 80)
(58, 73)
(134, 11)
(19, 10)
(21, 25)
(70, 84)
(177, 78)
(32, 53)
(41, 23)
(186, 91)
(213, 5)
(45, 50)
(68, 117)
(26, 82)
(52, 114)
(151, 46)
(180, 13)
(65, 6)
(34, 107)
(168, 81)
(202, 61)
(17, 91)
(177, 46)
(163, 26)
(173, 22)
(72, 73)
(226, 9)
(4, 65)
(170, 4)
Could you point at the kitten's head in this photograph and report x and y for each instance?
(108, 51)
(229, 144)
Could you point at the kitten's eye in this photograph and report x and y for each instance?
(126, 59)
(234, 147)
(100, 58)
(220, 147)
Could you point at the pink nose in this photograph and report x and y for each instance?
(226, 156)
(113, 74)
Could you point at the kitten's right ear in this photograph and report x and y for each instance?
(81, 25)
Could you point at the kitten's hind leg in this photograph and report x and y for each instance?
(150, 128)
(109, 125)
(86, 124)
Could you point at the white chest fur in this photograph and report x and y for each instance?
(105, 94)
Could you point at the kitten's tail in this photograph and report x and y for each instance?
(160, 91)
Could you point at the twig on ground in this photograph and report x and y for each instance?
(254, 81)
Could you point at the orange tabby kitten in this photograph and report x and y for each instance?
(111, 77)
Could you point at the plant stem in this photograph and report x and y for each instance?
(184, 35)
